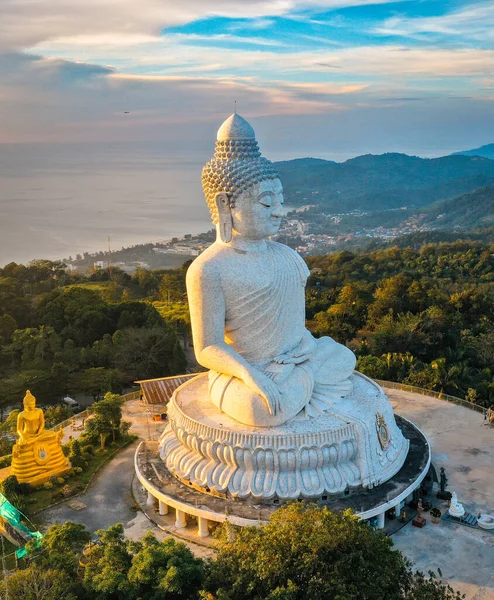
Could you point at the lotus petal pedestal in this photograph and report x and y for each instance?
(353, 444)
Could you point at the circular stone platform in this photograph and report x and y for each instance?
(354, 444)
(366, 503)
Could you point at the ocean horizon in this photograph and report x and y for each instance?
(60, 200)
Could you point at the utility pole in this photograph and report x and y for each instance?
(109, 258)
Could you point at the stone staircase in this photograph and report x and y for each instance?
(468, 519)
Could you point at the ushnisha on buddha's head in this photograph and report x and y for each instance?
(242, 188)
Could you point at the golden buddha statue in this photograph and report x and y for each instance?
(38, 454)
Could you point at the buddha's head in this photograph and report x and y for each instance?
(242, 188)
(29, 401)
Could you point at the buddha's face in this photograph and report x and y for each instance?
(29, 402)
(258, 211)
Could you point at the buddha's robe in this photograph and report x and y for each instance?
(265, 319)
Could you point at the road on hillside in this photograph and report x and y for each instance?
(108, 499)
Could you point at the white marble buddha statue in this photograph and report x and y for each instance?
(247, 298)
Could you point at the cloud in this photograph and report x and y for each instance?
(47, 99)
(399, 61)
(26, 23)
(473, 22)
(41, 100)
(173, 54)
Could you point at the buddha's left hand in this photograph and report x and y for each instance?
(300, 353)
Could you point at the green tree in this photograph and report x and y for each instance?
(372, 366)
(309, 553)
(110, 409)
(35, 583)
(106, 419)
(172, 286)
(165, 569)
(75, 455)
(41, 383)
(147, 353)
(7, 327)
(97, 427)
(108, 563)
(77, 313)
(56, 414)
(61, 548)
(96, 381)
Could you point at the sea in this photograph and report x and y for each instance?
(60, 200)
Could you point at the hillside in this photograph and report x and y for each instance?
(436, 236)
(475, 209)
(486, 151)
(380, 182)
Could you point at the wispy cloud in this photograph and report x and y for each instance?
(473, 22)
(26, 23)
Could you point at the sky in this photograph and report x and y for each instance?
(314, 77)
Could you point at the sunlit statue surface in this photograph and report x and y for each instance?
(247, 297)
(38, 454)
(279, 413)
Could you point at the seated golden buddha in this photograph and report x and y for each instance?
(38, 454)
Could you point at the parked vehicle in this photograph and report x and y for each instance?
(71, 403)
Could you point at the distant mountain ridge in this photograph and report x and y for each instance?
(381, 182)
(472, 210)
(486, 151)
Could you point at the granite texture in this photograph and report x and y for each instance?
(305, 457)
(280, 414)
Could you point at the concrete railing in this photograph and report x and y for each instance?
(78, 416)
(424, 392)
(132, 395)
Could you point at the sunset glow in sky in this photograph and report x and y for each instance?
(362, 76)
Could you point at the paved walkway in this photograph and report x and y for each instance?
(465, 447)
(109, 498)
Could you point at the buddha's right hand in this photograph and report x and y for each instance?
(259, 382)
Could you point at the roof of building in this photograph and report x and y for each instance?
(159, 391)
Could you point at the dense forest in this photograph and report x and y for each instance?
(424, 317)
(421, 315)
(81, 334)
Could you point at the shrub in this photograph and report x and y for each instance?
(77, 470)
(48, 485)
(78, 462)
(5, 461)
(87, 449)
(20, 502)
(124, 427)
(60, 480)
(10, 486)
(25, 489)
